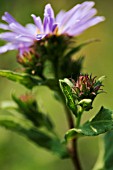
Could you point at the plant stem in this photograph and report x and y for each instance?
(73, 148)
(78, 120)
(69, 117)
(75, 157)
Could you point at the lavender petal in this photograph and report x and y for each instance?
(38, 23)
(48, 12)
(7, 47)
(78, 30)
(4, 26)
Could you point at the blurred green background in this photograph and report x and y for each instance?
(16, 153)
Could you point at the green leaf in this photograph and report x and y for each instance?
(72, 134)
(101, 123)
(66, 89)
(78, 48)
(108, 154)
(105, 159)
(27, 80)
(26, 128)
(70, 67)
(99, 165)
(22, 78)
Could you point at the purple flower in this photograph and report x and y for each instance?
(17, 36)
(78, 19)
(72, 23)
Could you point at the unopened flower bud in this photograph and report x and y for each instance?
(86, 104)
(85, 89)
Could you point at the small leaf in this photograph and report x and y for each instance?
(70, 67)
(101, 123)
(78, 48)
(66, 89)
(72, 133)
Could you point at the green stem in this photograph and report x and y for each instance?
(75, 155)
(73, 148)
(78, 120)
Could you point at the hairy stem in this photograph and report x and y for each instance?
(73, 147)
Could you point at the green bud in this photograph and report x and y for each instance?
(86, 104)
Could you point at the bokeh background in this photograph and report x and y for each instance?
(16, 153)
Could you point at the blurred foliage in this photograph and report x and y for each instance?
(15, 152)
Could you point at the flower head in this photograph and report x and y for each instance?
(86, 87)
(78, 19)
(17, 36)
(72, 23)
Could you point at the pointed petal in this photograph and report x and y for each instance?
(8, 36)
(49, 11)
(81, 21)
(79, 29)
(59, 16)
(31, 28)
(38, 23)
(7, 47)
(8, 18)
(48, 19)
(68, 15)
(4, 26)
(20, 30)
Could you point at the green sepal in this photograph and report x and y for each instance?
(66, 89)
(86, 104)
(101, 123)
(25, 127)
(99, 81)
